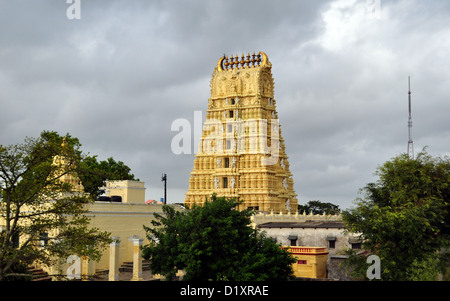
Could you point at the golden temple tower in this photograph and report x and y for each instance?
(241, 153)
(67, 177)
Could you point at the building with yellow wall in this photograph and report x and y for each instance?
(311, 262)
(241, 153)
(125, 191)
(122, 212)
(123, 218)
(125, 223)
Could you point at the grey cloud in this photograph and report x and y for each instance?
(118, 77)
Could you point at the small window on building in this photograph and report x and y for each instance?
(227, 162)
(231, 114)
(233, 101)
(225, 182)
(331, 242)
(256, 208)
(230, 128)
(43, 239)
(293, 239)
(301, 261)
(356, 246)
(15, 240)
(355, 243)
(228, 144)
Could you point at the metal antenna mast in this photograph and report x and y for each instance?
(410, 142)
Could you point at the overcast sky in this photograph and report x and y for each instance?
(118, 77)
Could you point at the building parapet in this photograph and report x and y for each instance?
(264, 217)
(307, 250)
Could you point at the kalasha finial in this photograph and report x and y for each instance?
(64, 142)
(258, 59)
(253, 59)
(242, 62)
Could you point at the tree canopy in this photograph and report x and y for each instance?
(404, 216)
(94, 174)
(318, 207)
(214, 242)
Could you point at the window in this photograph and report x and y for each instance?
(228, 144)
(225, 182)
(233, 101)
(355, 243)
(331, 244)
(231, 114)
(256, 208)
(356, 246)
(43, 239)
(15, 240)
(293, 239)
(301, 261)
(230, 128)
(227, 162)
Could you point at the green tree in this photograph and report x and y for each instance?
(403, 217)
(214, 242)
(318, 207)
(42, 219)
(94, 174)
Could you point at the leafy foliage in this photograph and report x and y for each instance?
(94, 174)
(214, 242)
(404, 216)
(318, 207)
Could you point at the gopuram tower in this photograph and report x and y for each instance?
(241, 154)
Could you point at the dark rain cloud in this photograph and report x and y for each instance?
(118, 77)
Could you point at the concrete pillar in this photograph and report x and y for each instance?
(114, 259)
(137, 260)
(87, 268)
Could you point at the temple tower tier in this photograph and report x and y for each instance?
(241, 153)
